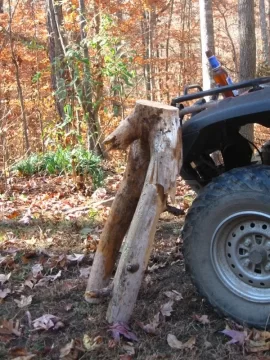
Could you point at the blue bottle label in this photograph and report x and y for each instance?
(214, 62)
(230, 82)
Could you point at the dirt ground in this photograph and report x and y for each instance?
(39, 235)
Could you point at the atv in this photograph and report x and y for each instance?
(227, 229)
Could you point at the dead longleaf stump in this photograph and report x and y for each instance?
(154, 134)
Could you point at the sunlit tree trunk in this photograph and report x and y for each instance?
(56, 54)
(18, 81)
(87, 99)
(264, 33)
(247, 42)
(207, 39)
(167, 49)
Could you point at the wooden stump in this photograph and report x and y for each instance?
(158, 128)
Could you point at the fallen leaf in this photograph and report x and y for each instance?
(257, 346)
(4, 278)
(129, 348)
(174, 343)
(72, 350)
(123, 329)
(125, 357)
(75, 257)
(166, 309)
(10, 327)
(174, 295)
(46, 322)
(85, 272)
(36, 269)
(68, 307)
(90, 343)
(4, 293)
(236, 336)
(24, 301)
(19, 353)
(45, 279)
(202, 319)
(151, 328)
(156, 266)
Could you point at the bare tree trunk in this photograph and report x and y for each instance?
(207, 39)
(1, 6)
(167, 50)
(223, 14)
(87, 100)
(18, 81)
(56, 54)
(247, 41)
(264, 33)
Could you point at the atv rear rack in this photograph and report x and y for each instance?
(254, 84)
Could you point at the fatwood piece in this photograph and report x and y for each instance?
(162, 131)
(119, 219)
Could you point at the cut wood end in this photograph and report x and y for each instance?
(155, 104)
(91, 300)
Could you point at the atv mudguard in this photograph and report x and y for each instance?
(218, 127)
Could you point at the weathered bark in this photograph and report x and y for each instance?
(223, 12)
(18, 82)
(167, 50)
(207, 40)
(161, 124)
(120, 217)
(1, 6)
(264, 33)
(247, 42)
(56, 54)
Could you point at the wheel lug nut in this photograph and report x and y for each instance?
(247, 263)
(267, 267)
(247, 242)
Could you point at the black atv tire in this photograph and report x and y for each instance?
(227, 244)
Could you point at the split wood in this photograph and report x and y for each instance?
(154, 162)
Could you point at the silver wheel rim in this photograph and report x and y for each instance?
(240, 254)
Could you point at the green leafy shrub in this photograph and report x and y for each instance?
(60, 162)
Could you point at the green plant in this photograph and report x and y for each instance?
(60, 161)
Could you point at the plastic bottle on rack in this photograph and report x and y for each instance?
(220, 75)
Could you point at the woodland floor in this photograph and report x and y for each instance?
(38, 232)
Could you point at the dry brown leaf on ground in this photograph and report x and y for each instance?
(75, 257)
(26, 357)
(36, 270)
(123, 329)
(125, 357)
(85, 272)
(151, 328)
(156, 266)
(166, 309)
(4, 293)
(203, 319)
(10, 327)
(20, 353)
(4, 278)
(174, 343)
(174, 295)
(49, 278)
(235, 335)
(72, 350)
(129, 348)
(257, 346)
(46, 322)
(90, 343)
(24, 301)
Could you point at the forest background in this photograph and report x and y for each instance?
(71, 70)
